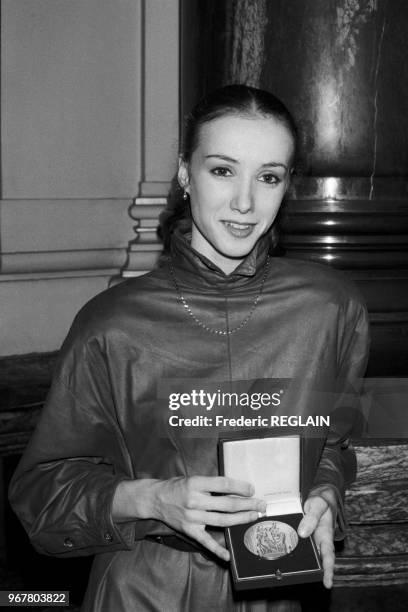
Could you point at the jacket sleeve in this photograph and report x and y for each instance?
(337, 467)
(63, 487)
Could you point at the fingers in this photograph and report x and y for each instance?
(315, 507)
(323, 537)
(204, 538)
(198, 495)
(222, 484)
(328, 558)
(226, 503)
(219, 519)
(318, 520)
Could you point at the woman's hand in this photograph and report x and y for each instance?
(319, 521)
(187, 505)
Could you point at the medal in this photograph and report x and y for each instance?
(270, 539)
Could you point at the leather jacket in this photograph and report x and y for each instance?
(107, 414)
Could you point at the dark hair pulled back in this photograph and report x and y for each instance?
(241, 100)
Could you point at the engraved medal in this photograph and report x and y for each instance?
(270, 539)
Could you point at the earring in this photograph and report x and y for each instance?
(185, 195)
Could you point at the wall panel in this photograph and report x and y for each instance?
(89, 122)
(70, 111)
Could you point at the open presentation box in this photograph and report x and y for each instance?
(268, 552)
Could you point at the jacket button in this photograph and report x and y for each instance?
(68, 543)
(108, 537)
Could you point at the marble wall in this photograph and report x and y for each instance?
(338, 64)
(340, 67)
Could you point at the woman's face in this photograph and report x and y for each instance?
(236, 179)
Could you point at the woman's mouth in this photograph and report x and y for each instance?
(239, 230)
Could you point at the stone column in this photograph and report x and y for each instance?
(160, 128)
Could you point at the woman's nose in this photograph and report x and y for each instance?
(243, 199)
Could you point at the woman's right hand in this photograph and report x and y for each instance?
(187, 505)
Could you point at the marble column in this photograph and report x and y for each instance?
(340, 67)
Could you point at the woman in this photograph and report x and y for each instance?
(105, 472)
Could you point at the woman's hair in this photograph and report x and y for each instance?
(240, 100)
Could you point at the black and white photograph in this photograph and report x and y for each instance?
(204, 305)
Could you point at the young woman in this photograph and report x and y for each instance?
(105, 473)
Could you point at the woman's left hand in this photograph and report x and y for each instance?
(319, 521)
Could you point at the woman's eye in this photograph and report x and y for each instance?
(270, 179)
(221, 171)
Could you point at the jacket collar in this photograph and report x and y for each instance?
(199, 270)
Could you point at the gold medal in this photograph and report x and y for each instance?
(270, 539)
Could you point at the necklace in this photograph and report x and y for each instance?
(212, 330)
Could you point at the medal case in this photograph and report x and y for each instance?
(265, 553)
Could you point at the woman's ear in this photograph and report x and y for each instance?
(183, 175)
